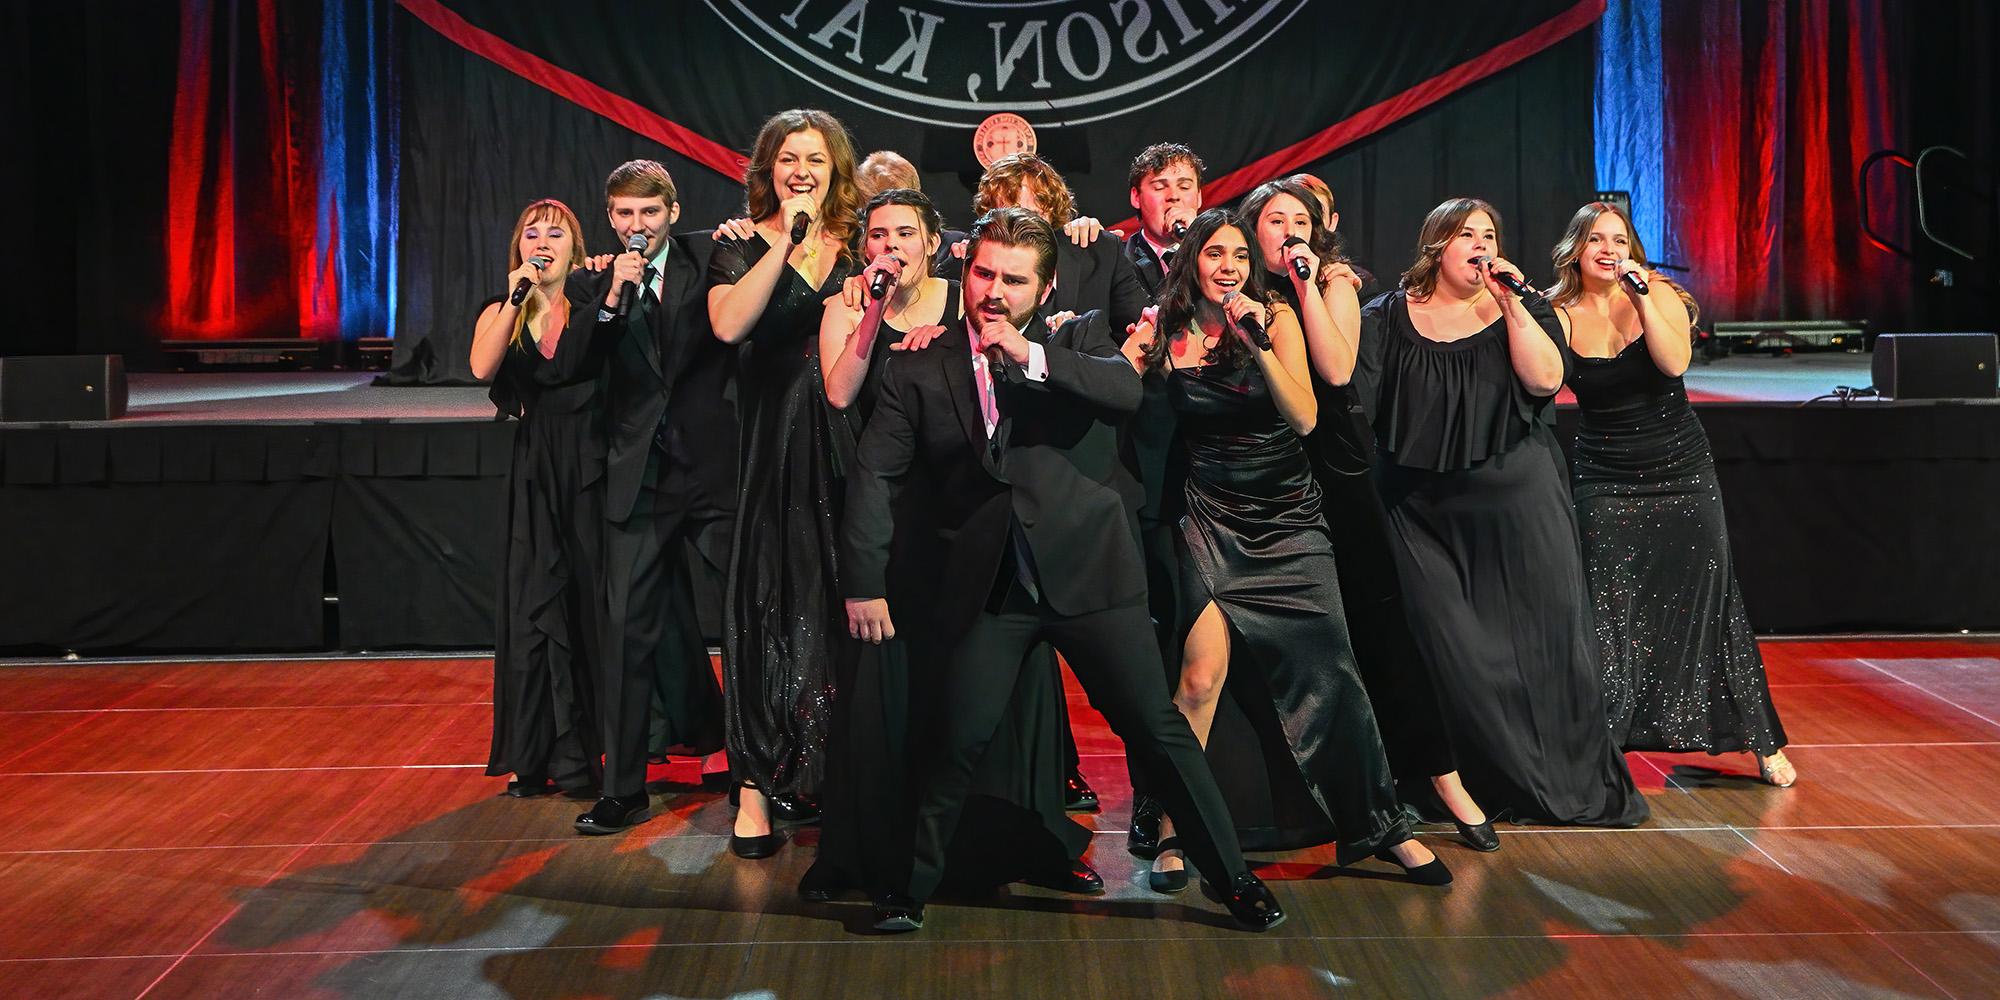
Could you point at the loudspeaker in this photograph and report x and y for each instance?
(62, 387)
(1937, 365)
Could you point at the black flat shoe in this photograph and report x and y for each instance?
(1479, 838)
(793, 809)
(1171, 881)
(531, 788)
(1250, 901)
(1079, 878)
(615, 815)
(898, 915)
(753, 848)
(1078, 796)
(1434, 873)
(1143, 840)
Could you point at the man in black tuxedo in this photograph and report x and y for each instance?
(670, 485)
(1010, 432)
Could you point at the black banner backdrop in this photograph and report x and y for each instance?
(506, 102)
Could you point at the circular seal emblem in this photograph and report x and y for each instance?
(1001, 135)
(954, 62)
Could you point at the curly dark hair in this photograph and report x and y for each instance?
(1181, 297)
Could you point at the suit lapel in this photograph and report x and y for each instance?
(1069, 275)
(1151, 270)
(954, 351)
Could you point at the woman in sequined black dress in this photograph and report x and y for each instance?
(784, 627)
(1456, 373)
(1681, 667)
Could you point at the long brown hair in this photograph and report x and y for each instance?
(1180, 293)
(839, 212)
(545, 210)
(1568, 256)
(1322, 241)
(1440, 228)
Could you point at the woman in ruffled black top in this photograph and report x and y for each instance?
(1456, 372)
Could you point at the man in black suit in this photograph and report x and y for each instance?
(1010, 432)
(670, 485)
(1166, 192)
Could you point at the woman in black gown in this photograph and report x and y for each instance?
(784, 628)
(1455, 371)
(1681, 667)
(1302, 260)
(1257, 569)
(1017, 828)
(544, 375)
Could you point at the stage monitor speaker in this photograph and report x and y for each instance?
(1937, 365)
(62, 387)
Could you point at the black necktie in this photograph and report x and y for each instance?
(1166, 258)
(646, 297)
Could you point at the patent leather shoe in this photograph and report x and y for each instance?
(1078, 878)
(1250, 902)
(793, 809)
(1078, 796)
(1143, 840)
(753, 848)
(612, 814)
(1479, 838)
(895, 914)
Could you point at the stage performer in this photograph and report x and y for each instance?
(670, 489)
(1258, 584)
(785, 638)
(537, 347)
(1292, 237)
(1455, 370)
(1008, 430)
(882, 722)
(1681, 667)
(1165, 183)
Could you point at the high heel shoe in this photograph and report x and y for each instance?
(1434, 873)
(1772, 767)
(1169, 881)
(1479, 838)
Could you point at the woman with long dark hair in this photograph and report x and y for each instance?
(1681, 667)
(1259, 583)
(784, 629)
(1456, 370)
(1303, 261)
(544, 370)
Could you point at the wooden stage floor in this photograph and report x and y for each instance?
(322, 829)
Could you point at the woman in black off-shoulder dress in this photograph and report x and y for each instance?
(1456, 373)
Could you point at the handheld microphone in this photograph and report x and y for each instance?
(1636, 282)
(1250, 325)
(1299, 266)
(635, 243)
(539, 263)
(1513, 282)
(799, 223)
(1180, 229)
(879, 284)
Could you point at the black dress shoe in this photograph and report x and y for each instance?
(1079, 878)
(1433, 873)
(1143, 840)
(529, 788)
(1479, 838)
(1172, 880)
(793, 809)
(612, 814)
(1250, 901)
(755, 847)
(818, 886)
(1078, 797)
(898, 914)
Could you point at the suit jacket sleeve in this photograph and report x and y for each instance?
(1084, 361)
(888, 448)
(1128, 294)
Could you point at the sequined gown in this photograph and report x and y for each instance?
(1681, 666)
(784, 627)
(1486, 544)
(1252, 541)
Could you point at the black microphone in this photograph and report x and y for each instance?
(521, 287)
(1180, 230)
(1299, 265)
(635, 243)
(878, 285)
(1513, 282)
(1636, 282)
(799, 224)
(1250, 325)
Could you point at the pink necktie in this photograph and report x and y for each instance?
(989, 406)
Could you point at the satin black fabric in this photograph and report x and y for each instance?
(1253, 543)
(1491, 570)
(784, 629)
(1681, 665)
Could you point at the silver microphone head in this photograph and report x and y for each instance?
(1480, 261)
(539, 262)
(637, 241)
(1230, 296)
